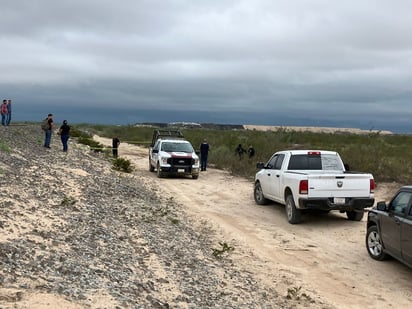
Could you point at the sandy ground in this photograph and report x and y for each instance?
(314, 129)
(324, 256)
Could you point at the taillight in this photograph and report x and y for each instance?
(303, 187)
(313, 153)
(372, 186)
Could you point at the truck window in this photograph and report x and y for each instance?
(400, 203)
(279, 161)
(177, 147)
(275, 162)
(315, 162)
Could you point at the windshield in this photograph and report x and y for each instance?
(177, 147)
(327, 162)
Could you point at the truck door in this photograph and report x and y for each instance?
(272, 183)
(406, 237)
(391, 224)
(154, 153)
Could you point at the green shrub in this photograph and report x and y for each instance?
(123, 165)
(4, 147)
(95, 146)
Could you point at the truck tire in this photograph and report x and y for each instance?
(160, 174)
(258, 194)
(354, 215)
(374, 244)
(293, 214)
(151, 167)
(195, 176)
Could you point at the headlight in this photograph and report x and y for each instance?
(163, 161)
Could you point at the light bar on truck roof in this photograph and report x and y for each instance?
(314, 153)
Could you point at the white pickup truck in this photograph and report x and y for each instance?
(171, 154)
(305, 180)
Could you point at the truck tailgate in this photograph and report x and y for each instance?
(339, 185)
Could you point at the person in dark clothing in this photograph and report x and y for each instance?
(115, 146)
(8, 117)
(240, 151)
(251, 151)
(48, 131)
(64, 133)
(204, 151)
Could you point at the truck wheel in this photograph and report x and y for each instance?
(354, 215)
(151, 167)
(374, 244)
(258, 195)
(160, 174)
(293, 214)
(195, 176)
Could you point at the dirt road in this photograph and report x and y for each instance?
(324, 256)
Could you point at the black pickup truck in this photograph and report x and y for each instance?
(389, 228)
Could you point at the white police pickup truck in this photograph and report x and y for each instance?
(171, 154)
(309, 180)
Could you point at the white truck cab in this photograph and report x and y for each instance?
(171, 154)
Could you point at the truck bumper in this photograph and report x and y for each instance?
(180, 170)
(327, 204)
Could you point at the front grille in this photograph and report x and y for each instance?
(180, 161)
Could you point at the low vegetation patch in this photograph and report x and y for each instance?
(95, 146)
(4, 147)
(385, 156)
(122, 165)
(224, 249)
(295, 293)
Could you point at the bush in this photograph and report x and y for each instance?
(122, 165)
(95, 146)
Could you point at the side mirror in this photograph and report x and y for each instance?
(381, 206)
(347, 168)
(155, 151)
(197, 152)
(260, 165)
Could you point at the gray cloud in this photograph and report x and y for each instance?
(325, 60)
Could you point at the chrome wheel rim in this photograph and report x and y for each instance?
(374, 244)
(288, 209)
(258, 193)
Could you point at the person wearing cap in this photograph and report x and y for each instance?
(48, 131)
(64, 133)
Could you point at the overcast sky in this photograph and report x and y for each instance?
(304, 59)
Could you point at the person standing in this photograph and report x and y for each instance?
(115, 146)
(240, 151)
(48, 130)
(8, 118)
(64, 133)
(204, 151)
(4, 112)
(251, 151)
